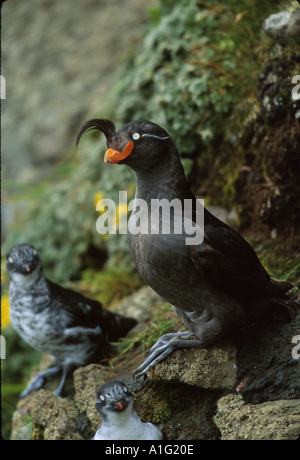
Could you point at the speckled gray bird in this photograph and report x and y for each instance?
(73, 329)
(217, 286)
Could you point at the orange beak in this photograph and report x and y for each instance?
(119, 406)
(114, 156)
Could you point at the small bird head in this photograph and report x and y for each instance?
(140, 144)
(114, 398)
(23, 264)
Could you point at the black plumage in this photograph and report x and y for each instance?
(73, 329)
(216, 286)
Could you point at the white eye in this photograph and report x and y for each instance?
(34, 252)
(102, 397)
(10, 260)
(136, 136)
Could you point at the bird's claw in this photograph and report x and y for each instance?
(163, 347)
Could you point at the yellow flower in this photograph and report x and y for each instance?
(121, 217)
(118, 218)
(5, 319)
(122, 210)
(97, 197)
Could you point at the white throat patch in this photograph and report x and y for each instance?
(25, 280)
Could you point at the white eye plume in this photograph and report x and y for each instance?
(156, 137)
(137, 136)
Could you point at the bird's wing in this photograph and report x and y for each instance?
(80, 310)
(228, 262)
(90, 313)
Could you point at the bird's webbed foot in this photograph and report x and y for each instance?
(165, 346)
(38, 382)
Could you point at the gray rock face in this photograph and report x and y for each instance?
(213, 368)
(279, 420)
(59, 59)
(42, 415)
(266, 360)
(283, 27)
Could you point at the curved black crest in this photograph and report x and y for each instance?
(107, 127)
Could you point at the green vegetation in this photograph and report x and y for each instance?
(163, 321)
(199, 46)
(278, 265)
(109, 286)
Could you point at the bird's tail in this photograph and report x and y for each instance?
(282, 306)
(279, 286)
(285, 309)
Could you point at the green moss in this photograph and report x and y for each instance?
(167, 401)
(160, 409)
(28, 429)
(161, 412)
(280, 261)
(37, 433)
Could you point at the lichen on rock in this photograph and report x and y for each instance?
(54, 417)
(277, 420)
(213, 367)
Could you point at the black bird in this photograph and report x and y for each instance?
(217, 286)
(73, 329)
(119, 420)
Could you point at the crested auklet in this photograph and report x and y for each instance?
(73, 329)
(119, 420)
(217, 286)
